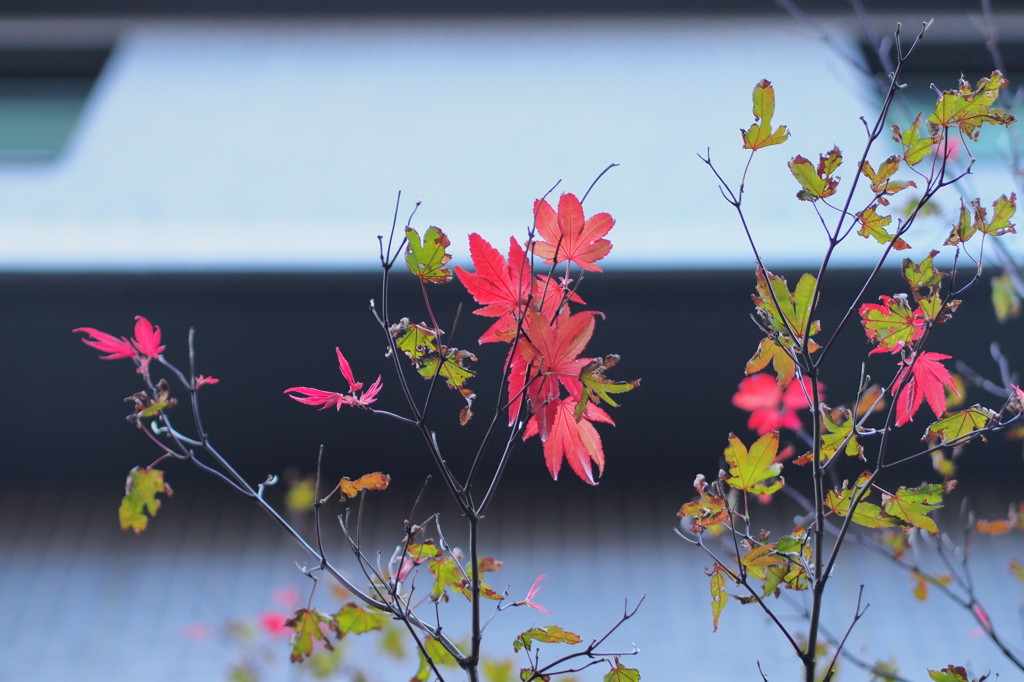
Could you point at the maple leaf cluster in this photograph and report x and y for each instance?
(550, 386)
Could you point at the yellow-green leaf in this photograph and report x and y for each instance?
(758, 560)
(839, 434)
(498, 671)
(438, 654)
(597, 387)
(426, 259)
(912, 505)
(452, 370)
(306, 631)
(817, 181)
(866, 514)
(873, 225)
(141, 489)
(718, 594)
(754, 470)
(417, 341)
(881, 182)
(952, 673)
(956, 427)
(794, 308)
(1003, 209)
(768, 350)
(620, 673)
(301, 495)
(551, 634)
(760, 133)
(969, 109)
(922, 275)
(447, 574)
(356, 620)
(915, 147)
(1005, 299)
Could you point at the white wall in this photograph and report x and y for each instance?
(282, 145)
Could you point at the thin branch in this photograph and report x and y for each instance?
(599, 176)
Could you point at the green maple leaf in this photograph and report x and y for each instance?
(550, 634)
(498, 671)
(957, 426)
(915, 147)
(141, 490)
(417, 341)
(964, 228)
(427, 550)
(794, 543)
(750, 470)
(597, 387)
(866, 514)
(426, 259)
(758, 560)
(1005, 299)
(788, 572)
(305, 625)
(768, 350)
(881, 181)
(760, 135)
(452, 370)
(873, 225)
(817, 181)
(922, 275)
(447, 574)
(840, 434)
(438, 654)
(356, 620)
(837, 435)
(718, 594)
(620, 673)
(912, 505)
(969, 109)
(880, 178)
(793, 308)
(953, 673)
(1003, 209)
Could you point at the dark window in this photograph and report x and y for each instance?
(42, 93)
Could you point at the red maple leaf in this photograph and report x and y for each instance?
(924, 376)
(770, 407)
(568, 439)
(547, 357)
(503, 287)
(325, 399)
(570, 237)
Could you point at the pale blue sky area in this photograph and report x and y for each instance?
(283, 145)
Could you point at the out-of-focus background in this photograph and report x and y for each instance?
(228, 166)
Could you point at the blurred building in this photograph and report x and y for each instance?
(228, 166)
